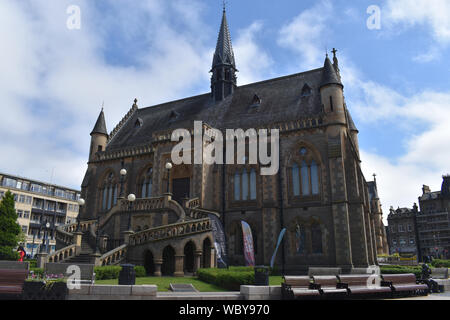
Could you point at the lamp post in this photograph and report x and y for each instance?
(131, 199)
(47, 228)
(123, 173)
(169, 166)
(81, 203)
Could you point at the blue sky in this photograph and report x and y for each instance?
(54, 80)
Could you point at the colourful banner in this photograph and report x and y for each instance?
(219, 241)
(249, 252)
(280, 238)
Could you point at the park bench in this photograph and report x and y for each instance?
(405, 284)
(439, 273)
(12, 281)
(317, 271)
(328, 286)
(364, 284)
(298, 287)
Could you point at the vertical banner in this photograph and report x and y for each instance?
(280, 238)
(219, 240)
(249, 252)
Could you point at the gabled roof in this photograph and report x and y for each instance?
(329, 74)
(281, 102)
(100, 125)
(224, 50)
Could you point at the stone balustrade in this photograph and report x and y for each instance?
(63, 254)
(113, 257)
(170, 231)
(192, 203)
(143, 204)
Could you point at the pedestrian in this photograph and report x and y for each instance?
(22, 253)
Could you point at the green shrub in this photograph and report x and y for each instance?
(32, 262)
(439, 263)
(229, 279)
(140, 271)
(107, 272)
(112, 272)
(417, 270)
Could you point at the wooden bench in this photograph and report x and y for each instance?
(439, 273)
(328, 286)
(364, 284)
(317, 271)
(12, 281)
(405, 284)
(298, 287)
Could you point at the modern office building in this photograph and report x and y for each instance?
(40, 207)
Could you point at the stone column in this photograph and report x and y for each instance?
(41, 259)
(179, 265)
(77, 236)
(197, 260)
(213, 262)
(126, 236)
(158, 263)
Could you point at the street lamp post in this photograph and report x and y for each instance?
(131, 199)
(123, 173)
(168, 167)
(81, 203)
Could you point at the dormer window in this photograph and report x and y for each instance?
(174, 116)
(256, 102)
(306, 91)
(139, 123)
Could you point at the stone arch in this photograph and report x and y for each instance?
(108, 190)
(206, 248)
(189, 257)
(168, 265)
(149, 263)
(145, 181)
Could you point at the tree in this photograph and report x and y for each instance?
(9, 228)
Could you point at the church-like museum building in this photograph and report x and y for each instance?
(319, 194)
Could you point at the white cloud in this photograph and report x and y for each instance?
(253, 62)
(305, 34)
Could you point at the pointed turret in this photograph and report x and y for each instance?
(100, 125)
(99, 136)
(223, 79)
(329, 75)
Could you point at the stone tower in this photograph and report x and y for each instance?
(223, 79)
(99, 136)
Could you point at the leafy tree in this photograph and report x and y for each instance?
(9, 228)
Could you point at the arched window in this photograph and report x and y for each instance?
(147, 184)
(245, 185)
(305, 175)
(316, 238)
(300, 239)
(109, 192)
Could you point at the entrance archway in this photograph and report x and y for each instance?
(189, 249)
(168, 265)
(207, 253)
(149, 264)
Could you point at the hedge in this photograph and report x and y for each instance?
(229, 279)
(401, 269)
(439, 263)
(112, 272)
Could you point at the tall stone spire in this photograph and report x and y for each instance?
(329, 75)
(223, 79)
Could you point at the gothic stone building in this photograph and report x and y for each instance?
(319, 194)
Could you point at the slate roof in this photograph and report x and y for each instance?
(281, 101)
(351, 123)
(373, 192)
(430, 196)
(100, 125)
(224, 50)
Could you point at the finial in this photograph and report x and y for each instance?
(103, 105)
(374, 177)
(224, 5)
(135, 101)
(334, 52)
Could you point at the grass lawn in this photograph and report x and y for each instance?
(163, 283)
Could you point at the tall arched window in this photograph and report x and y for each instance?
(245, 185)
(109, 192)
(305, 175)
(147, 184)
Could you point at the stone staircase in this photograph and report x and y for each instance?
(86, 255)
